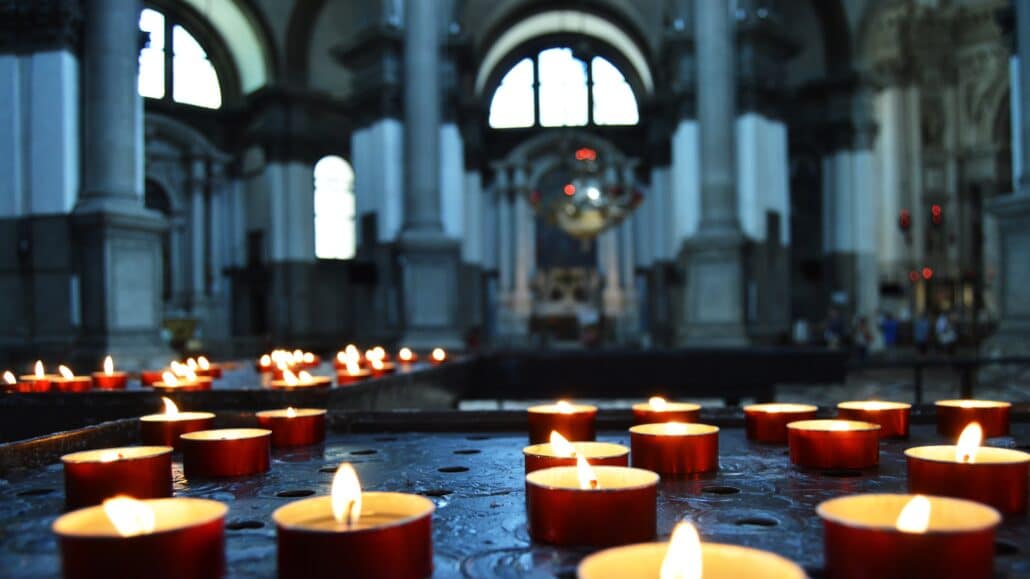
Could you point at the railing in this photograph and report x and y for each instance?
(966, 367)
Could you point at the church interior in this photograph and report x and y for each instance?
(288, 286)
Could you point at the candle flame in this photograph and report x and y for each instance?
(352, 352)
(675, 428)
(169, 378)
(587, 477)
(657, 403)
(178, 368)
(110, 456)
(266, 360)
(377, 364)
(439, 354)
(203, 363)
(290, 378)
(108, 366)
(189, 375)
(563, 407)
(170, 408)
(915, 516)
(352, 367)
(304, 377)
(309, 358)
(839, 425)
(191, 364)
(968, 442)
(66, 372)
(291, 412)
(370, 355)
(9, 378)
(298, 355)
(341, 357)
(346, 495)
(683, 559)
(561, 446)
(129, 516)
(405, 355)
(40, 372)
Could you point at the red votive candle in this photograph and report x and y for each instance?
(548, 454)
(186, 539)
(165, 429)
(200, 384)
(993, 476)
(573, 421)
(38, 381)
(226, 453)
(891, 416)
(658, 410)
(564, 510)
(150, 377)
(69, 382)
(306, 382)
(834, 443)
(944, 538)
(954, 415)
(675, 448)
(377, 536)
(768, 422)
(294, 426)
(94, 475)
(108, 379)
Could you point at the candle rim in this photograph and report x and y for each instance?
(315, 382)
(669, 407)
(65, 525)
(698, 429)
(539, 450)
(427, 508)
(816, 423)
(552, 408)
(362, 371)
(137, 452)
(651, 478)
(972, 403)
(299, 412)
(888, 405)
(992, 516)
(785, 407)
(209, 436)
(658, 550)
(181, 416)
(1017, 456)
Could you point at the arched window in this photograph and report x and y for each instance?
(555, 89)
(174, 66)
(334, 209)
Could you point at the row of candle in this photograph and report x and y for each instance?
(65, 380)
(350, 365)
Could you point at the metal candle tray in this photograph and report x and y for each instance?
(476, 480)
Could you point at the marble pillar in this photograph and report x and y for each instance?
(713, 312)
(1013, 216)
(118, 240)
(428, 259)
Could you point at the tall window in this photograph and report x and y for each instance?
(173, 65)
(334, 209)
(556, 89)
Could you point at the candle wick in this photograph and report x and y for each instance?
(593, 484)
(350, 520)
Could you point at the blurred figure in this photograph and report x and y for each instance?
(861, 337)
(947, 336)
(833, 330)
(800, 332)
(889, 329)
(921, 333)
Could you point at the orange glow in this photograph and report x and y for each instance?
(683, 559)
(265, 361)
(675, 428)
(380, 352)
(178, 368)
(39, 371)
(439, 354)
(9, 378)
(915, 516)
(191, 364)
(562, 448)
(563, 407)
(352, 367)
(298, 355)
(370, 355)
(305, 377)
(169, 378)
(587, 477)
(203, 363)
(346, 495)
(66, 372)
(291, 412)
(352, 352)
(108, 366)
(129, 516)
(657, 403)
(309, 358)
(109, 456)
(170, 408)
(377, 364)
(968, 443)
(839, 425)
(405, 355)
(341, 357)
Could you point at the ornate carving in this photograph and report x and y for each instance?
(35, 25)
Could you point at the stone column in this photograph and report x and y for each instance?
(523, 224)
(198, 230)
(428, 259)
(117, 239)
(714, 308)
(1013, 215)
